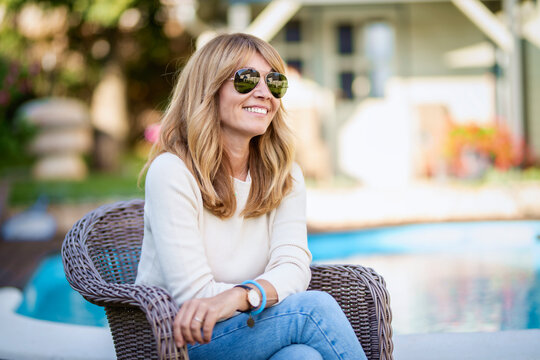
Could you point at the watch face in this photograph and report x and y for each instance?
(254, 298)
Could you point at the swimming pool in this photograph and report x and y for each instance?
(48, 296)
(449, 277)
(444, 277)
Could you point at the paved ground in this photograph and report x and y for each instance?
(24, 338)
(19, 260)
(503, 345)
(421, 202)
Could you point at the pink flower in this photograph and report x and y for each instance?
(151, 133)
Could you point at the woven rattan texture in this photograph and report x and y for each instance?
(100, 255)
(132, 334)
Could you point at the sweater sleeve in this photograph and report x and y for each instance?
(172, 209)
(288, 267)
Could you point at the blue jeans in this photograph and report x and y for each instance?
(307, 325)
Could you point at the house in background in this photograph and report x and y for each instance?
(400, 73)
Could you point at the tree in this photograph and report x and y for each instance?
(80, 44)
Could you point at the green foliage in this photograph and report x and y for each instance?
(495, 176)
(14, 136)
(97, 186)
(94, 187)
(12, 4)
(143, 52)
(103, 12)
(12, 42)
(15, 132)
(71, 65)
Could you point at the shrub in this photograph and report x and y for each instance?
(491, 145)
(15, 88)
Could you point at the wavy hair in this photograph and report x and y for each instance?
(191, 129)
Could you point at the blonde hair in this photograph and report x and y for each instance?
(190, 129)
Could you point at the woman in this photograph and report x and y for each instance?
(225, 228)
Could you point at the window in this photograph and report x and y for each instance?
(379, 49)
(293, 31)
(345, 39)
(346, 79)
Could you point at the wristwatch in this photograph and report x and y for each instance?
(253, 297)
(254, 300)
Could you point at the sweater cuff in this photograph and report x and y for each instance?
(284, 286)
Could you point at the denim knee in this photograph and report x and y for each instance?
(297, 352)
(316, 302)
(315, 298)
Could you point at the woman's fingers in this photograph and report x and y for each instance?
(189, 322)
(196, 319)
(182, 330)
(179, 339)
(196, 326)
(209, 323)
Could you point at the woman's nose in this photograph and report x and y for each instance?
(262, 91)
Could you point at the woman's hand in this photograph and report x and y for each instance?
(196, 319)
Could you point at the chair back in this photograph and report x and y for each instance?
(103, 248)
(114, 242)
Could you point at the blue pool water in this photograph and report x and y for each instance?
(477, 276)
(455, 237)
(449, 277)
(48, 296)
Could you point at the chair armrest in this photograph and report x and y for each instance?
(363, 296)
(156, 303)
(160, 310)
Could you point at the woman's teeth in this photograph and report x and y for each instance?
(256, 110)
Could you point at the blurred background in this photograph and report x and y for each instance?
(404, 111)
(382, 93)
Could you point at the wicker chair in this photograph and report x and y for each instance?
(100, 255)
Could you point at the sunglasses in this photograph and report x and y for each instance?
(247, 79)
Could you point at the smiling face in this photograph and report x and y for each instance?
(244, 116)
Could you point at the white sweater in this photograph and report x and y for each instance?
(194, 254)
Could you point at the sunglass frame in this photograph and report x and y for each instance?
(245, 87)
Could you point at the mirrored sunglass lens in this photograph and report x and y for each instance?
(277, 83)
(245, 80)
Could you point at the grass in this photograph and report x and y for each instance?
(123, 185)
(501, 178)
(531, 174)
(97, 186)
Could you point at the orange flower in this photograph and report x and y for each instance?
(492, 142)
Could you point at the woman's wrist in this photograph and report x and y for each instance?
(241, 299)
(256, 296)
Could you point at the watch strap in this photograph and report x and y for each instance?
(247, 288)
(243, 287)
